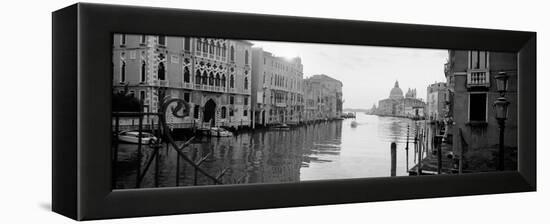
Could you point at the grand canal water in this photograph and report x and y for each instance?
(331, 150)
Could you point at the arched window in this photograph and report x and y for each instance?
(217, 82)
(198, 44)
(204, 47)
(224, 112)
(223, 80)
(204, 78)
(211, 51)
(211, 79)
(161, 71)
(232, 53)
(223, 50)
(246, 57)
(245, 82)
(143, 71)
(198, 77)
(186, 75)
(231, 81)
(217, 49)
(122, 71)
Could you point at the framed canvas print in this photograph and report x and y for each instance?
(167, 111)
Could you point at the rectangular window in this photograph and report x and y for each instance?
(246, 101)
(123, 39)
(478, 107)
(162, 40)
(143, 71)
(478, 59)
(231, 100)
(186, 97)
(142, 96)
(123, 71)
(245, 113)
(142, 39)
(186, 44)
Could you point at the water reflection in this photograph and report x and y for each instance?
(331, 150)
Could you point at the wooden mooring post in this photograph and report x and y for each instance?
(420, 145)
(407, 149)
(139, 154)
(157, 155)
(115, 152)
(437, 141)
(393, 148)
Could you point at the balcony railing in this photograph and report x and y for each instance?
(205, 87)
(160, 83)
(478, 78)
(188, 85)
(280, 104)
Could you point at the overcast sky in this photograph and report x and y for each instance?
(367, 73)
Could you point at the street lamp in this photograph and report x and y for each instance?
(501, 112)
(502, 83)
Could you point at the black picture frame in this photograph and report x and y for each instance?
(81, 70)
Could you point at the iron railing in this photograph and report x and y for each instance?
(160, 131)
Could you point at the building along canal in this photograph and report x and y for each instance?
(321, 151)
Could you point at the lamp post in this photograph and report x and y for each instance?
(501, 113)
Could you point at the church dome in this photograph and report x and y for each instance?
(396, 92)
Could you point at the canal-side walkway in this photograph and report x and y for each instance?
(430, 162)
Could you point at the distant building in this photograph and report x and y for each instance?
(323, 98)
(373, 109)
(436, 100)
(212, 75)
(398, 105)
(471, 119)
(277, 84)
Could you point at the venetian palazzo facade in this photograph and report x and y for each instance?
(212, 75)
(472, 125)
(323, 98)
(401, 106)
(277, 86)
(436, 101)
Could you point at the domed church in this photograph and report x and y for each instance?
(401, 106)
(396, 93)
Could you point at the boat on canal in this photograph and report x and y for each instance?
(280, 127)
(220, 132)
(133, 137)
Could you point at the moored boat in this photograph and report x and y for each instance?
(281, 127)
(133, 137)
(220, 132)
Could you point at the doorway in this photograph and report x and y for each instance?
(210, 112)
